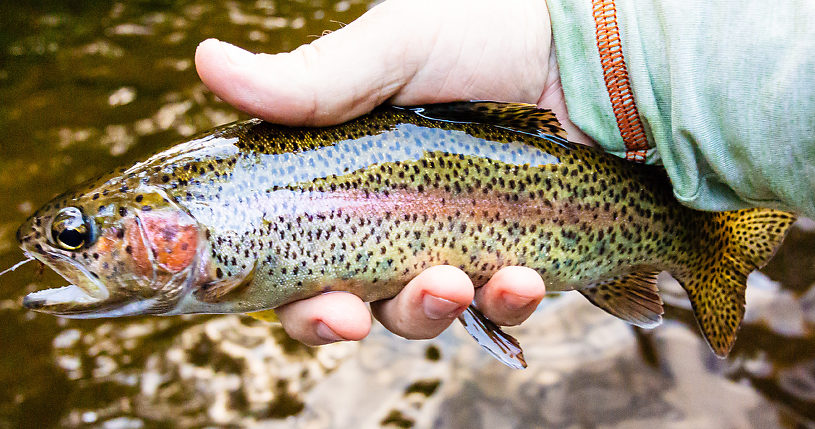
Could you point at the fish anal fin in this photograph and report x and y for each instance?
(526, 118)
(632, 297)
(265, 315)
(489, 336)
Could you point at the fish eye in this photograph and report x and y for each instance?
(70, 230)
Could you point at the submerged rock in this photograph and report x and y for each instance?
(585, 367)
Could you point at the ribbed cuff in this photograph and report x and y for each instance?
(581, 75)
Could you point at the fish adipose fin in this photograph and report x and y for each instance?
(525, 118)
(631, 297)
(488, 335)
(745, 240)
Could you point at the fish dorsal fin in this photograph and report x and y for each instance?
(488, 335)
(265, 315)
(632, 297)
(526, 118)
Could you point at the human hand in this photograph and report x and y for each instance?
(406, 53)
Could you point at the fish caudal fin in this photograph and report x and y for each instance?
(488, 335)
(716, 280)
(632, 297)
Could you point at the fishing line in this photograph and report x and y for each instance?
(17, 265)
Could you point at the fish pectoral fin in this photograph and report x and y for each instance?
(632, 297)
(489, 336)
(522, 117)
(265, 315)
(216, 290)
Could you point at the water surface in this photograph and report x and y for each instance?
(86, 86)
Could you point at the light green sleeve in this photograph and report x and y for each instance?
(725, 90)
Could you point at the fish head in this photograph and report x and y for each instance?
(124, 251)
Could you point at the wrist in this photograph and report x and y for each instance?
(552, 98)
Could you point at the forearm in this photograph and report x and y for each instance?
(725, 93)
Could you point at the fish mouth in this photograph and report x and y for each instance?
(87, 297)
(86, 293)
(43, 299)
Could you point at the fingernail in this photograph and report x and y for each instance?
(236, 55)
(516, 302)
(326, 333)
(439, 308)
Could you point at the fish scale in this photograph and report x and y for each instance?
(479, 199)
(251, 216)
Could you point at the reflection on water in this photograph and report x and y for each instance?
(87, 86)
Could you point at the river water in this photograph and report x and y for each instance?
(86, 86)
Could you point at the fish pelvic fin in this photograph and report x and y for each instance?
(632, 297)
(715, 281)
(265, 316)
(491, 338)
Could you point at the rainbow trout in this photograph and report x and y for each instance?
(253, 215)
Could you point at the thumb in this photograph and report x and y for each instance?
(335, 78)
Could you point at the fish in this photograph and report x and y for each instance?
(253, 215)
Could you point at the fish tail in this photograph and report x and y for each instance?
(734, 244)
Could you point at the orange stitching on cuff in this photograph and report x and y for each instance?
(616, 77)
